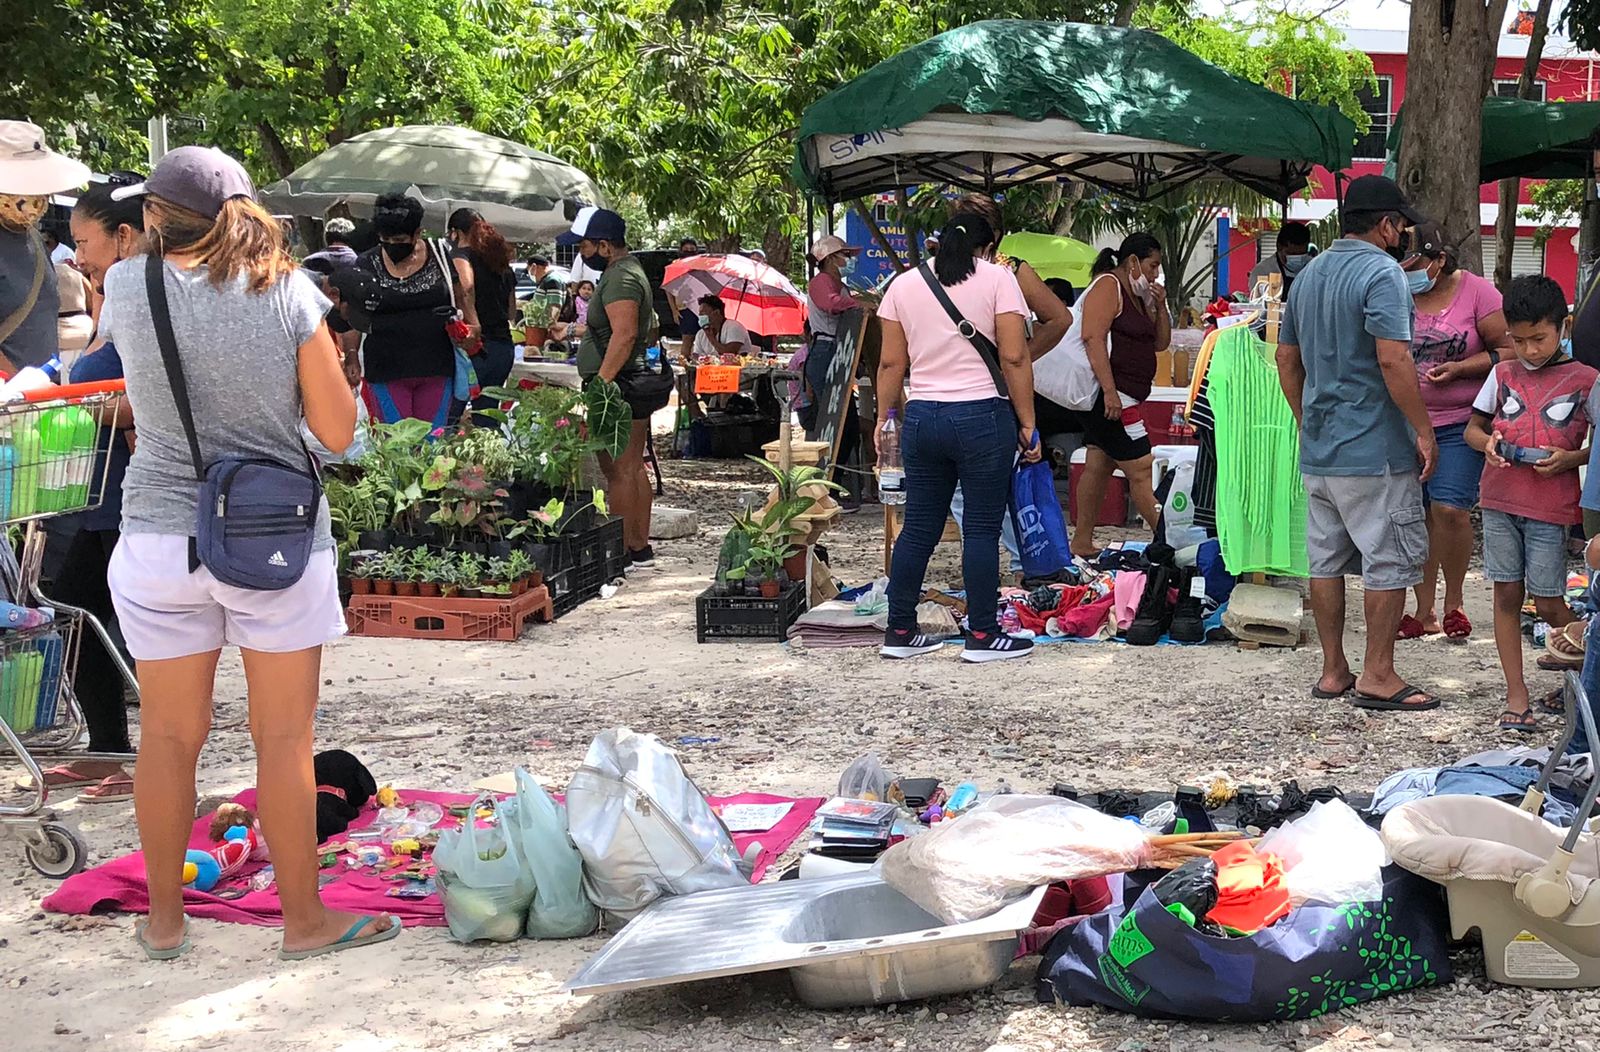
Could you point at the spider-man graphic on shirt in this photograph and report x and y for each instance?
(1550, 407)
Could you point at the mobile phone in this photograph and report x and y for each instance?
(1520, 454)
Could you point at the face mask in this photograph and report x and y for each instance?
(1139, 283)
(596, 262)
(398, 251)
(705, 322)
(847, 267)
(1293, 265)
(1565, 350)
(336, 321)
(1419, 282)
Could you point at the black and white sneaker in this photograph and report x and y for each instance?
(995, 646)
(643, 559)
(905, 644)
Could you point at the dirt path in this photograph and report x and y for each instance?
(788, 720)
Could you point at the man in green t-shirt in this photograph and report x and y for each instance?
(621, 325)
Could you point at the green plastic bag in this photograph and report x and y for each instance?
(560, 909)
(485, 886)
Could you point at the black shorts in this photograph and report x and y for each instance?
(1123, 441)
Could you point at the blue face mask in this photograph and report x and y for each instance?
(705, 322)
(1419, 281)
(1293, 265)
(1565, 350)
(848, 267)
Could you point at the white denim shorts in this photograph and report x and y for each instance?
(167, 612)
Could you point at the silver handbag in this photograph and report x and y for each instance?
(643, 827)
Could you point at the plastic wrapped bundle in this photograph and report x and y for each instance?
(966, 869)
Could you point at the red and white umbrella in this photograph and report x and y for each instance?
(755, 295)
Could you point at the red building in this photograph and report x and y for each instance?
(1565, 74)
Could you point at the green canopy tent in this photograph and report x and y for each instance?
(1001, 103)
(1527, 139)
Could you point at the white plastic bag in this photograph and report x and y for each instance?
(560, 909)
(482, 880)
(866, 779)
(643, 827)
(967, 868)
(1177, 503)
(1329, 856)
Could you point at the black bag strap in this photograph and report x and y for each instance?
(161, 317)
(984, 346)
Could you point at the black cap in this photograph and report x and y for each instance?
(595, 224)
(358, 296)
(1376, 193)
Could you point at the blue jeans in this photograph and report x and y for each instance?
(944, 444)
(1590, 678)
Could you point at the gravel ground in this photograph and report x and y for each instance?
(789, 720)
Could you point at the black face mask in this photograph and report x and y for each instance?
(336, 321)
(1402, 250)
(596, 262)
(398, 251)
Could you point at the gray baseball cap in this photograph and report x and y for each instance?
(199, 178)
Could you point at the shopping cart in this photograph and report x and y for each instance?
(54, 460)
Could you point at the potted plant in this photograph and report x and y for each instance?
(499, 590)
(408, 571)
(429, 570)
(381, 569)
(523, 573)
(469, 569)
(539, 313)
(764, 563)
(361, 576)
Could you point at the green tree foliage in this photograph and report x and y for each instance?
(92, 72)
(295, 78)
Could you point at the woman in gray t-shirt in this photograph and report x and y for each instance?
(256, 356)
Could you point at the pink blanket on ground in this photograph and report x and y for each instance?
(119, 884)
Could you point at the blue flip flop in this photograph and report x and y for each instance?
(349, 940)
(171, 953)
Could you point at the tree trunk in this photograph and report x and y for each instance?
(1505, 224)
(1588, 234)
(1125, 12)
(1449, 68)
(860, 208)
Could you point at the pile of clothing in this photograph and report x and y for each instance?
(1501, 774)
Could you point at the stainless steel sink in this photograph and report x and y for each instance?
(845, 940)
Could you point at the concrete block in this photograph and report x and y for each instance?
(1263, 614)
(670, 524)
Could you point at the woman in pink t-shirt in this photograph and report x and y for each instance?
(1458, 333)
(959, 326)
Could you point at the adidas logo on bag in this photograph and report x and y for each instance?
(277, 560)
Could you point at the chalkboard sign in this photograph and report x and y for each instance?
(839, 385)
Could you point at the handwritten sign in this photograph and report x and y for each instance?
(839, 384)
(716, 379)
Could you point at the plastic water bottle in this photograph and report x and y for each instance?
(26, 452)
(891, 472)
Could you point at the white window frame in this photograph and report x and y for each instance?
(1541, 89)
(1386, 92)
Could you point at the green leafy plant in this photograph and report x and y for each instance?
(466, 505)
(766, 559)
(517, 565)
(468, 570)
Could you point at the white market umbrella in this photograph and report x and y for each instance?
(527, 194)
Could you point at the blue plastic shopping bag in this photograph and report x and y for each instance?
(1318, 959)
(1041, 528)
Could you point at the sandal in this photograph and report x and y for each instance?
(1399, 701)
(118, 789)
(1456, 625)
(1329, 695)
(65, 776)
(350, 939)
(1566, 646)
(1410, 628)
(1524, 722)
(171, 953)
(1554, 702)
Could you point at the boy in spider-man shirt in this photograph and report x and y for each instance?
(1531, 421)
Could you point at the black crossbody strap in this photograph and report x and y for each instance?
(161, 317)
(984, 346)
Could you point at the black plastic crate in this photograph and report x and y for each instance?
(725, 436)
(588, 560)
(747, 619)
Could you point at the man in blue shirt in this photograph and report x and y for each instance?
(1366, 446)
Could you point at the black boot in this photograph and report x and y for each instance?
(1150, 621)
(1189, 619)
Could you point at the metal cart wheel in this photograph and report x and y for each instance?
(56, 850)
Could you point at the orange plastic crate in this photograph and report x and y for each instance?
(410, 617)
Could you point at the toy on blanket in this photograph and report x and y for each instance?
(238, 838)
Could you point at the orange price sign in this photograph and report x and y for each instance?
(716, 379)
